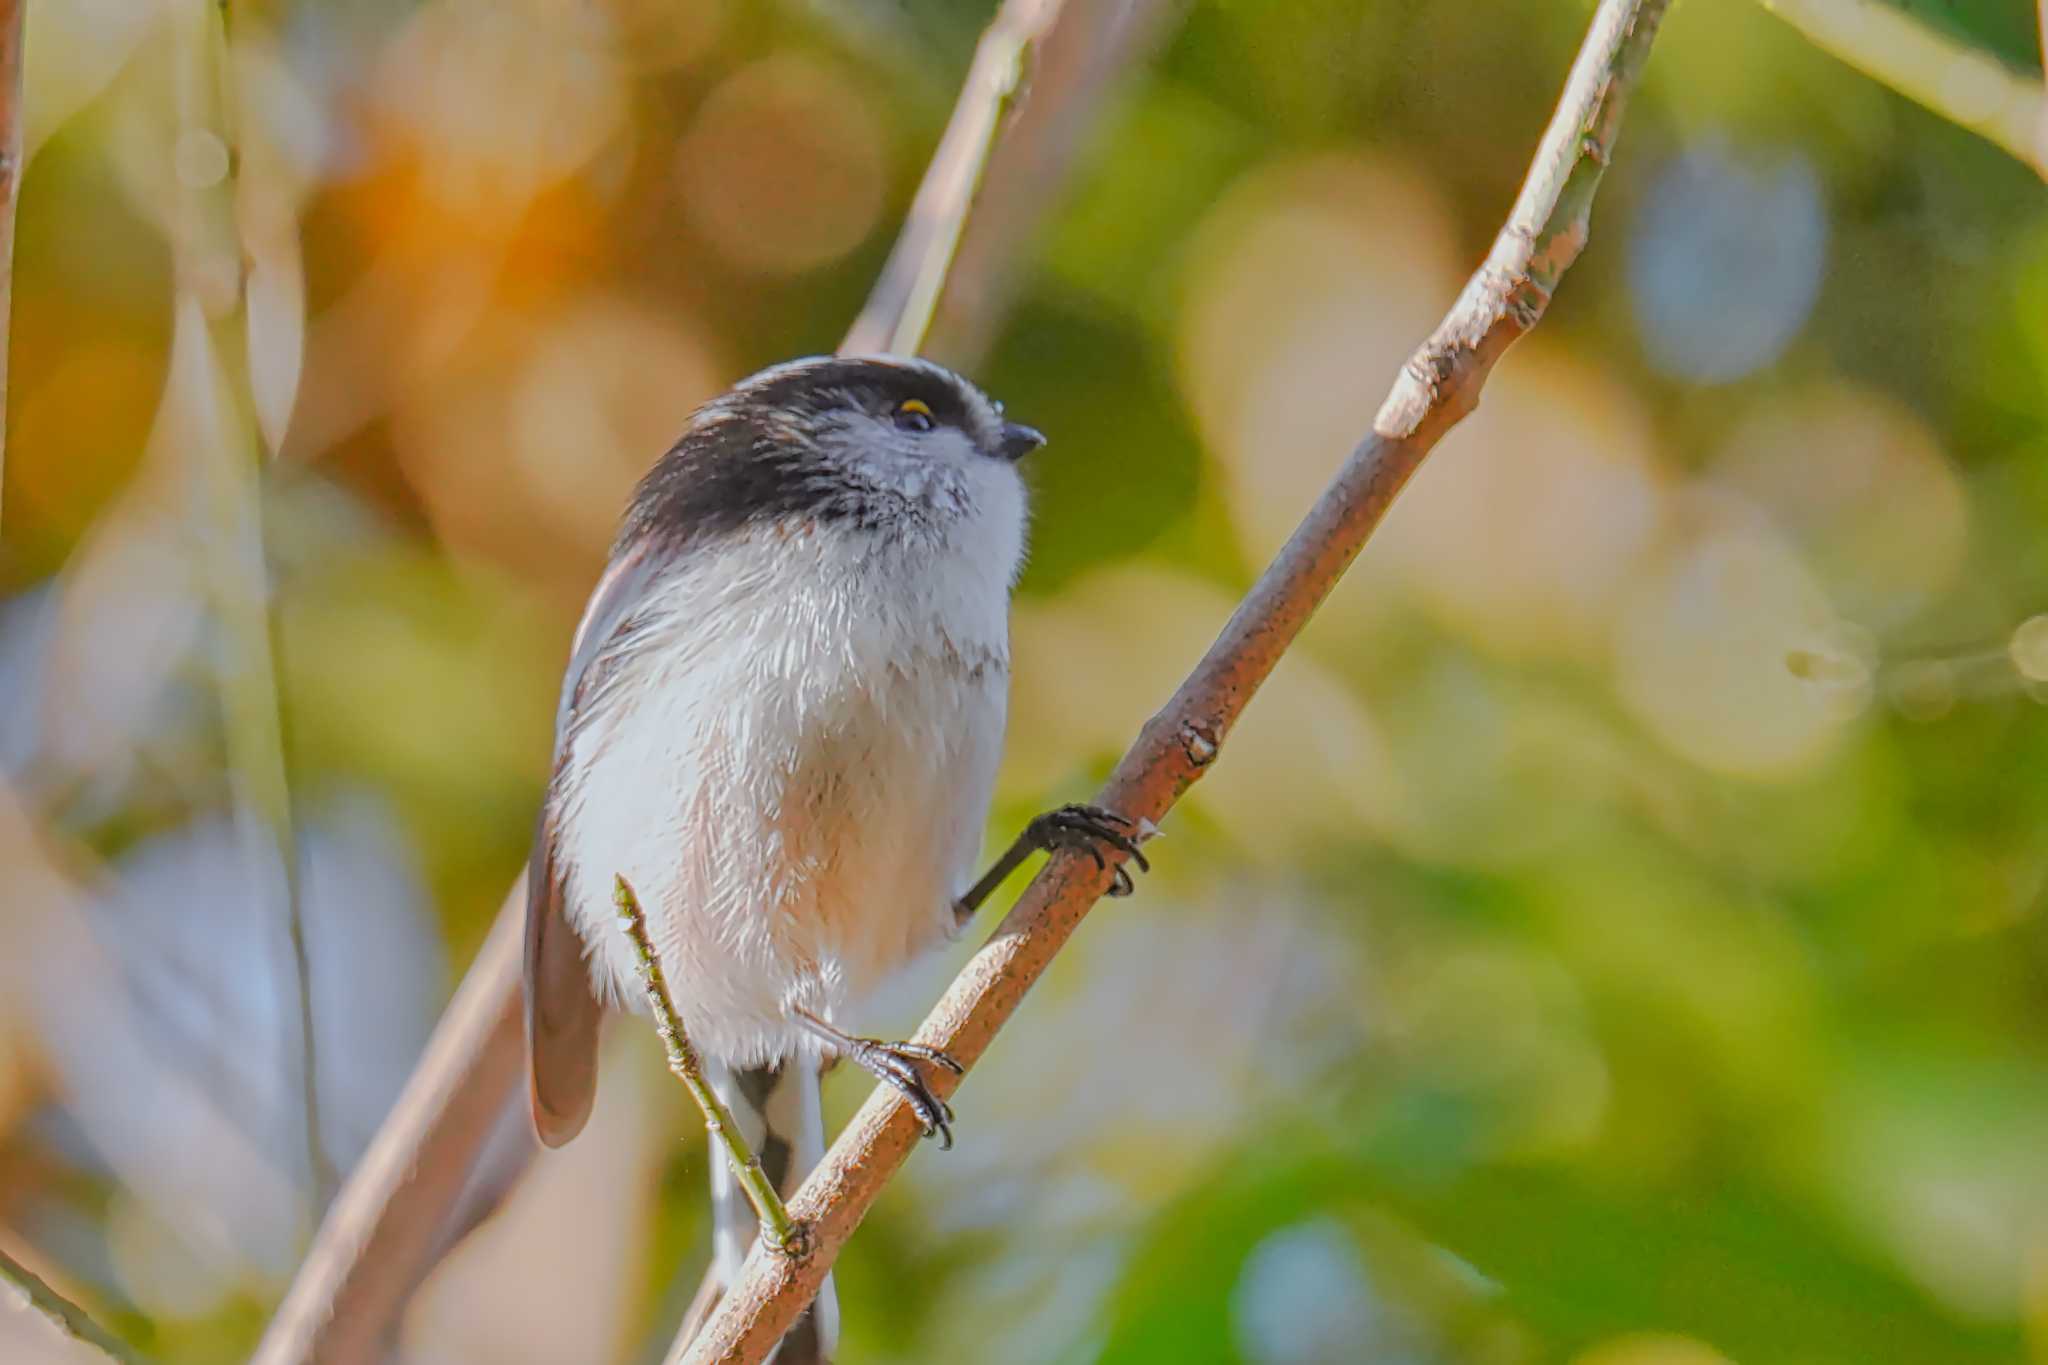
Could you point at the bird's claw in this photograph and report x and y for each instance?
(1088, 828)
(927, 1053)
(896, 1063)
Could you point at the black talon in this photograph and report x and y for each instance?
(1086, 827)
(925, 1052)
(895, 1063)
(1075, 826)
(892, 1062)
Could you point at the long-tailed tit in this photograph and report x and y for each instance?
(781, 724)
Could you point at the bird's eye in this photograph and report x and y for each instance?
(913, 415)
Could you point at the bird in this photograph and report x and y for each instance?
(781, 723)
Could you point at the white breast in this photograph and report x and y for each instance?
(794, 770)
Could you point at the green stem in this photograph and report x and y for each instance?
(250, 676)
(12, 17)
(34, 1293)
(1965, 85)
(778, 1229)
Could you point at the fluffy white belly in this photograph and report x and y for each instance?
(795, 784)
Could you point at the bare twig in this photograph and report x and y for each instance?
(899, 309)
(1075, 67)
(1439, 385)
(389, 1217)
(1967, 87)
(384, 1226)
(28, 1290)
(210, 271)
(776, 1227)
(12, 13)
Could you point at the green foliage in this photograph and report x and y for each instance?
(2011, 29)
(1128, 466)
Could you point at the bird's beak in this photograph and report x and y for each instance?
(1018, 441)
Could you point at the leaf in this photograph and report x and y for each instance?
(283, 141)
(2008, 29)
(1572, 1254)
(276, 304)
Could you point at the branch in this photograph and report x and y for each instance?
(210, 274)
(899, 309)
(1969, 88)
(11, 15)
(385, 1226)
(1439, 385)
(31, 1291)
(1075, 68)
(383, 1229)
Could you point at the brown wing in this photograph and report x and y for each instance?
(562, 1010)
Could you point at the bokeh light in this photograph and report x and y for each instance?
(2029, 648)
(1863, 488)
(1726, 261)
(496, 100)
(1705, 648)
(1308, 283)
(782, 170)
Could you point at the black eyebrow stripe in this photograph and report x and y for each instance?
(877, 384)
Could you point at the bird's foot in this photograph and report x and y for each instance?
(1088, 828)
(896, 1063)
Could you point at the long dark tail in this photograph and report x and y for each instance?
(781, 1111)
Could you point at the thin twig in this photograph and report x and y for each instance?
(1075, 67)
(210, 269)
(899, 309)
(383, 1228)
(12, 12)
(776, 1225)
(1439, 385)
(31, 1291)
(386, 1223)
(1968, 87)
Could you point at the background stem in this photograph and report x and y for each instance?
(1969, 88)
(32, 1292)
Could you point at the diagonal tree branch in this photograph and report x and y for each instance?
(1439, 385)
(1969, 88)
(12, 14)
(393, 1213)
(28, 1290)
(899, 310)
(380, 1234)
(1074, 70)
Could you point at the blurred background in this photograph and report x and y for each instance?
(1618, 935)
